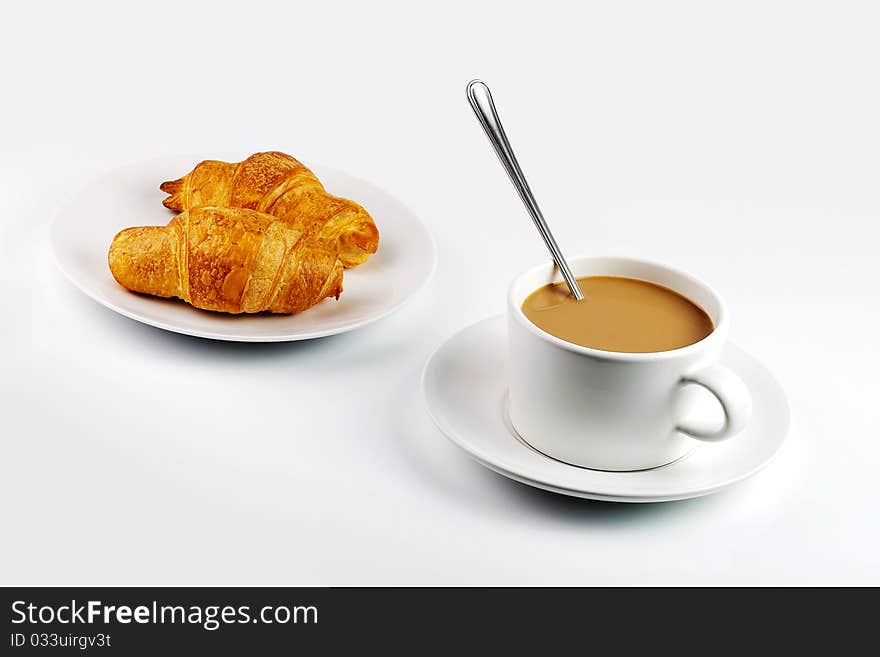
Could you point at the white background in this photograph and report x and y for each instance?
(736, 140)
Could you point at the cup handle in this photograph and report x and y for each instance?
(731, 392)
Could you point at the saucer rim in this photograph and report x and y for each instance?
(502, 468)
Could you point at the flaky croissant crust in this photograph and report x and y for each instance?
(232, 260)
(280, 185)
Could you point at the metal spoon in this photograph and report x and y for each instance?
(481, 102)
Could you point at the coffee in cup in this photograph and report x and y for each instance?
(618, 314)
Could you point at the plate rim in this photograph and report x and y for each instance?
(513, 473)
(311, 335)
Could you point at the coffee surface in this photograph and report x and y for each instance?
(618, 314)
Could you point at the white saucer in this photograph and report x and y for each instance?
(465, 386)
(130, 196)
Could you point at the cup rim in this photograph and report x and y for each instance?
(515, 310)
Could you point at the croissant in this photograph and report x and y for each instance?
(279, 185)
(227, 259)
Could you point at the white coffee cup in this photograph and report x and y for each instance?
(617, 411)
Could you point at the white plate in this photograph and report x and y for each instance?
(130, 196)
(465, 386)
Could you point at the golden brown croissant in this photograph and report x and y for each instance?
(282, 186)
(228, 259)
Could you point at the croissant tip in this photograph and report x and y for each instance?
(172, 186)
(173, 203)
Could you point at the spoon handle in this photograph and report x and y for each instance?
(480, 99)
